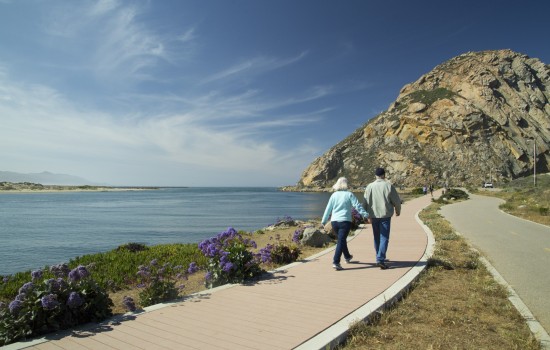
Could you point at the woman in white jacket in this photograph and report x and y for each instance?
(339, 209)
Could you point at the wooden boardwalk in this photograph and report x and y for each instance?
(298, 306)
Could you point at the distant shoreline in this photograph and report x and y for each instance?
(28, 187)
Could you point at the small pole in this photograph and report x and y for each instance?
(534, 163)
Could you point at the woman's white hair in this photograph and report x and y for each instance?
(341, 184)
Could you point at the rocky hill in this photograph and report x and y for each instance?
(44, 178)
(471, 119)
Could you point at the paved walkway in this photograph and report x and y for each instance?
(305, 305)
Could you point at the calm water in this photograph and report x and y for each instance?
(38, 229)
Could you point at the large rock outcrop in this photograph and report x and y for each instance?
(471, 118)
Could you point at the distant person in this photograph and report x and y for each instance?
(425, 190)
(432, 190)
(382, 201)
(339, 209)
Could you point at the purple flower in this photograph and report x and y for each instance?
(15, 306)
(36, 275)
(212, 251)
(143, 271)
(75, 300)
(52, 284)
(192, 268)
(208, 276)
(6, 279)
(265, 253)
(154, 262)
(224, 258)
(49, 302)
(82, 271)
(21, 297)
(74, 275)
(61, 283)
(298, 234)
(60, 270)
(26, 288)
(227, 267)
(129, 303)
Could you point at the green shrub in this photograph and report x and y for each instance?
(229, 259)
(158, 282)
(281, 253)
(543, 211)
(132, 247)
(285, 254)
(430, 96)
(454, 193)
(417, 190)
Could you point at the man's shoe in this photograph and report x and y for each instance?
(349, 260)
(337, 267)
(382, 265)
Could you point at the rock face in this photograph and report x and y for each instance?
(469, 120)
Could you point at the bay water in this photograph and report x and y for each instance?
(38, 229)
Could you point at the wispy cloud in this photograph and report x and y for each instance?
(102, 7)
(111, 41)
(188, 36)
(127, 46)
(253, 66)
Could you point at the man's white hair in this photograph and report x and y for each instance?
(341, 184)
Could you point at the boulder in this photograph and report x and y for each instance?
(313, 237)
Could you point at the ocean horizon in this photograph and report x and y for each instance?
(45, 228)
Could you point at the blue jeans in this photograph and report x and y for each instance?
(381, 232)
(342, 229)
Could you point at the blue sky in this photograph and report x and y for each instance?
(222, 93)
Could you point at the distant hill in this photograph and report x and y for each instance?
(44, 178)
(469, 120)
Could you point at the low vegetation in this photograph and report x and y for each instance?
(426, 97)
(455, 304)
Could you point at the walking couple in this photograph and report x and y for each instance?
(382, 201)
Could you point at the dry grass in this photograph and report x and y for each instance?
(196, 281)
(455, 304)
(524, 200)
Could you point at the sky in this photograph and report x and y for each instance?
(222, 92)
